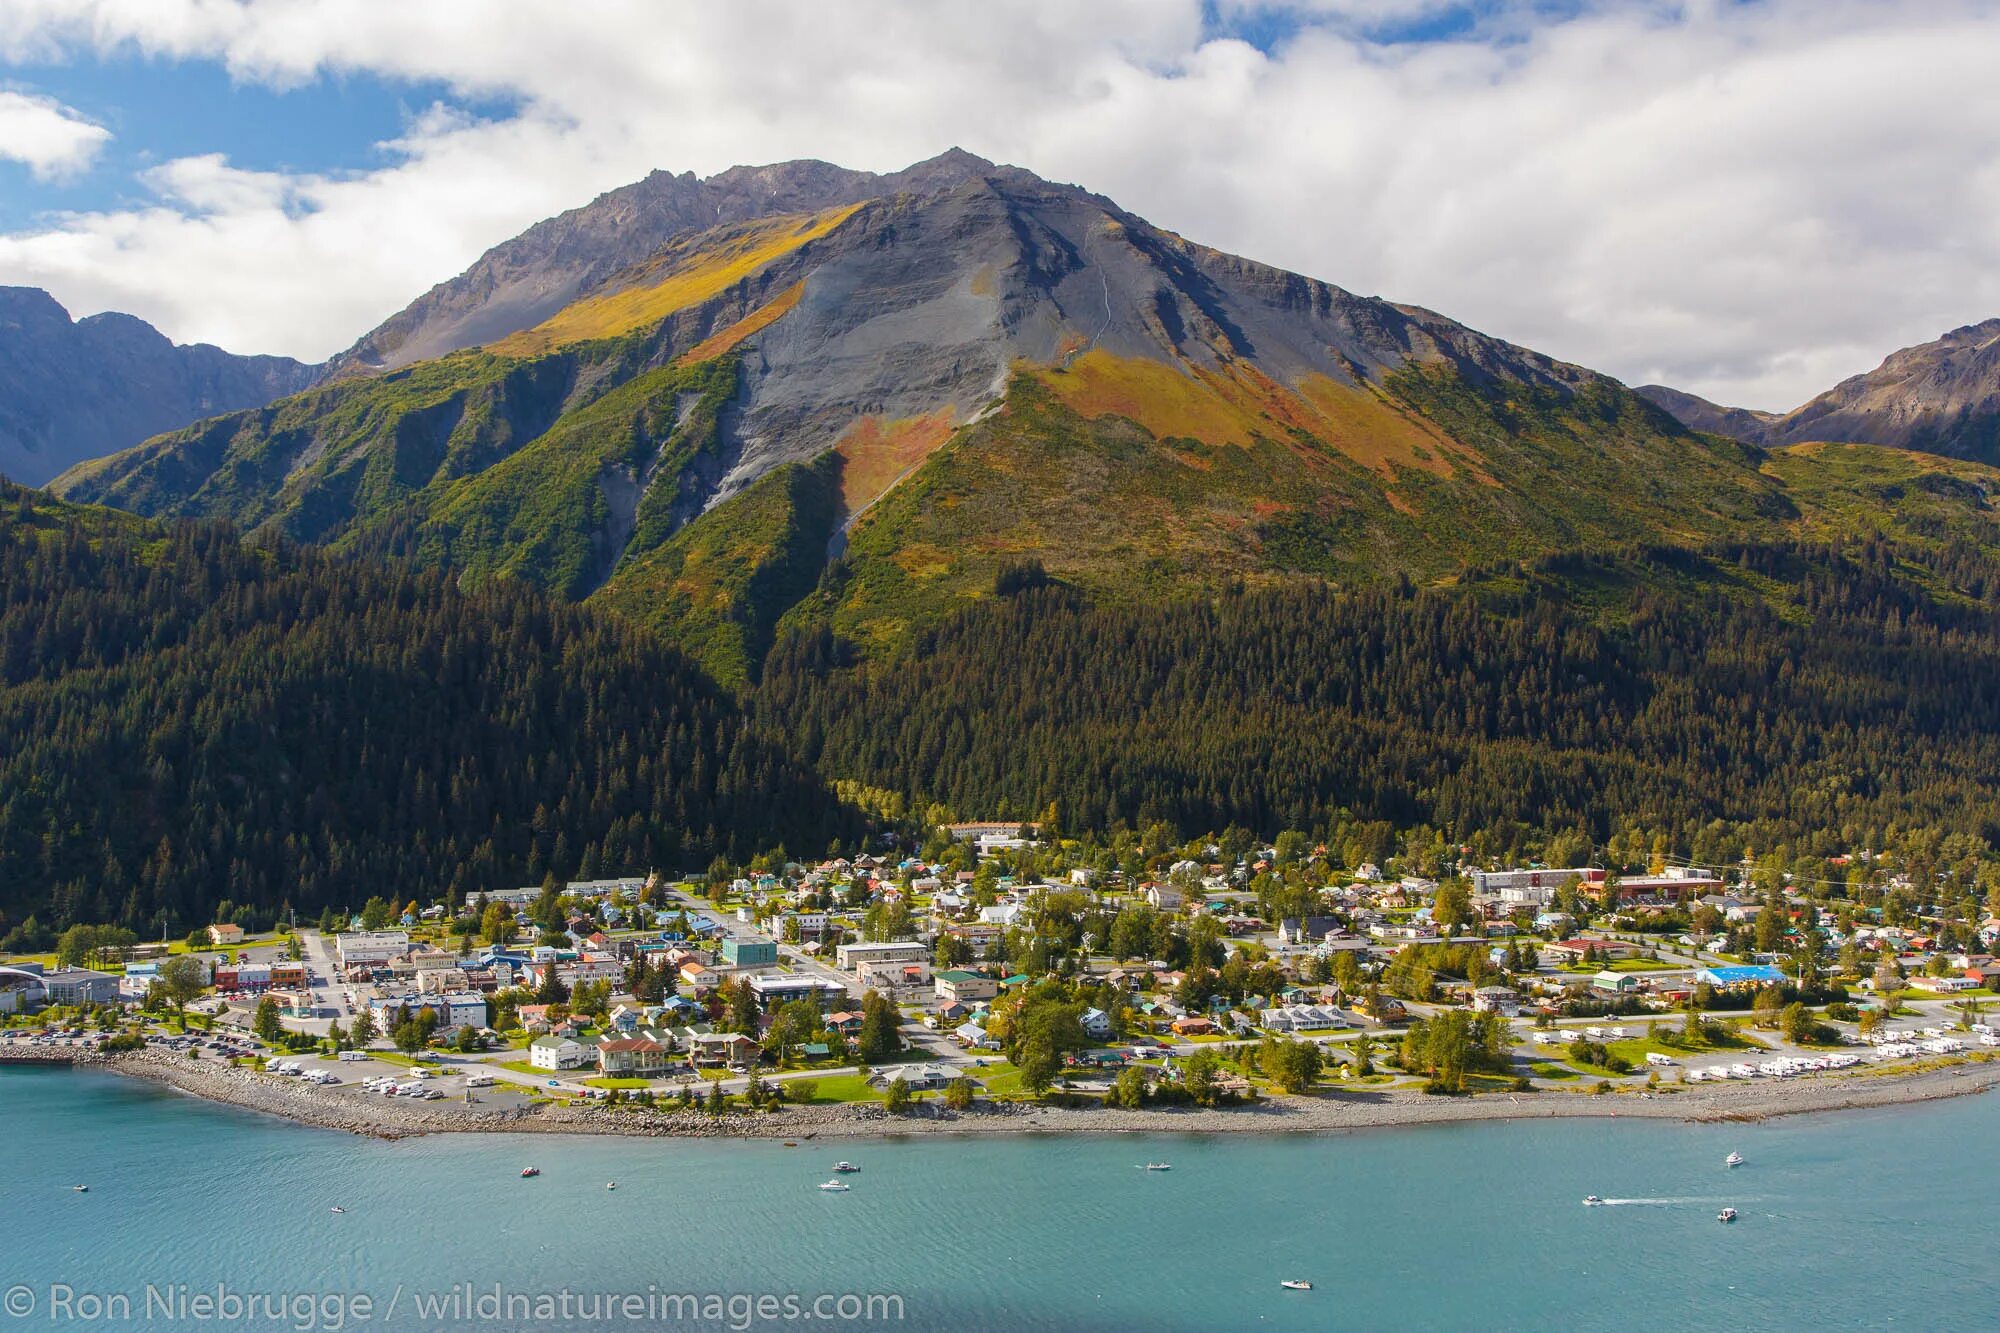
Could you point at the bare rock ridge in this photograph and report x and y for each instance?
(1941, 397)
(76, 390)
(521, 282)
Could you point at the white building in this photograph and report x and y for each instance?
(369, 948)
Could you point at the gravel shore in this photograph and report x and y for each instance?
(353, 1111)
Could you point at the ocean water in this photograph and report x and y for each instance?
(1868, 1219)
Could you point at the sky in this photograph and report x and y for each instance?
(1748, 199)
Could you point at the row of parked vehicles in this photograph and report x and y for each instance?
(297, 1069)
(389, 1087)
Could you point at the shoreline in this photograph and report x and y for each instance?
(354, 1112)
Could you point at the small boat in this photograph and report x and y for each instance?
(1726, 1215)
(81, 1189)
(845, 1168)
(791, 1143)
(1159, 1166)
(336, 1209)
(835, 1187)
(1734, 1159)
(611, 1184)
(1296, 1284)
(530, 1172)
(1591, 1201)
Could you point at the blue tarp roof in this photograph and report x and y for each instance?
(1735, 976)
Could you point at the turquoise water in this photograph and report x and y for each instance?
(1855, 1220)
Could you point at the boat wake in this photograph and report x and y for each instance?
(1675, 1201)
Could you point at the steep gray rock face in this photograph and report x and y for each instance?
(924, 303)
(521, 282)
(71, 391)
(1738, 423)
(1942, 397)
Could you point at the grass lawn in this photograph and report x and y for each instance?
(1636, 1049)
(840, 1088)
(625, 1084)
(1550, 1069)
(523, 1067)
(1624, 965)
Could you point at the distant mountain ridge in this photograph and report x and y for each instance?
(76, 390)
(1940, 397)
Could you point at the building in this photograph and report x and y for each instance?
(1525, 888)
(1943, 985)
(80, 985)
(1496, 1000)
(632, 1057)
(749, 953)
(460, 1010)
(720, 1048)
(965, 987)
(288, 973)
(776, 988)
(369, 948)
(891, 973)
(850, 957)
(225, 934)
(1011, 828)
(1734, 978)
(558, 1053)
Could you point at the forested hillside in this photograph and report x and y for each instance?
(190, 722)
(1729, 698)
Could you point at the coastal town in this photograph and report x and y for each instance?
(989, 969)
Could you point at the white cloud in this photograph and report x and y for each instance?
(51, 139)
(1748, 200)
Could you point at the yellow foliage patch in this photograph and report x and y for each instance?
(681, 280)
(878, 453)
(1235, 404)
(763, 317)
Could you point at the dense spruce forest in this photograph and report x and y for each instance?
(193, 726)
(1732, 699)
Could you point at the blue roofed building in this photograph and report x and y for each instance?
(1732, 978)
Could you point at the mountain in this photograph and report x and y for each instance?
(1738, 423)
(521, 282)
(71, 391)
(1941, 397)
(866, 410)
(194, 725)
(869, 412)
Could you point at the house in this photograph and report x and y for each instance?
(1193, 1025)
(961, 987)
(1616, 983)
(558, 1053)
(719, 1048)
(847, 1022)
(631, 1057)
(973, 1037)
(1096, 1024)
(698, 978)
(1306, 930)
(1496, 1000)
(1163, 897)
(1943, 985)
(1985, 974)
(1563, 952)
(918, 1078)
(225, 934)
